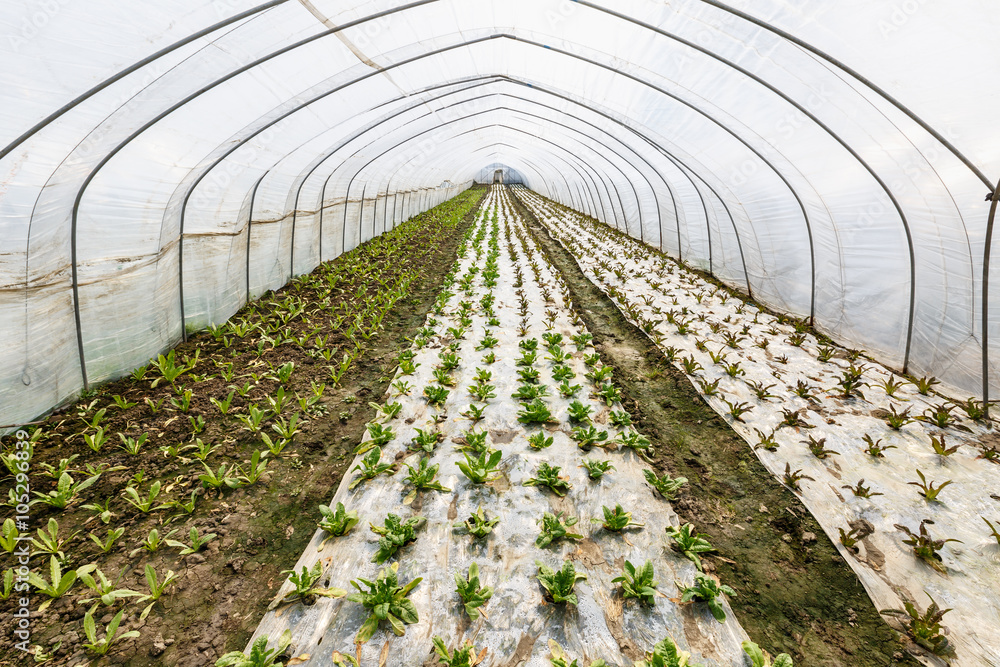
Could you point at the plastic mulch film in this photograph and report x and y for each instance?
(845, 448)
(517, 624)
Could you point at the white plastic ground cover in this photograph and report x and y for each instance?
(519, 624)
(654, 285)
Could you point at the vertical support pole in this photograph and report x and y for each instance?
(994, 197)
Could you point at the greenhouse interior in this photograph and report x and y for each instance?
(561, 333)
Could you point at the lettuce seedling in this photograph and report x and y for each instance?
(395, 533)
(482, 391)
(529, 375)
(538, 441)
(596, 468)
(463, 656)
(385, 600)
(927, 489)
(993, 530)
(620, 418)
(875, 447)
(559, 584)
(924, 628)
(760, 658)
(474, 413)
(535, 412)
(940, 448)
(48, 540)
(637, 442)
(474, 441)
(443, 377)
(665, 486)
(562, 373)
(559, 658)
(897, 420)
(689, 542)
(792, 478)
(306, 589)
(422, 479)
(336, 522)
(588, 437)
(260, 654)
(479, 469)
(578, 412)
(609, 393)
(926, 384)
(426, 440)
(436, 395)
(582, 340)
(818, 447)
(529, 392)
(390, 410)
(371, 466)
(111, 636)
(666, 654)
(638, 583)
(66, 491)
(862, 491)
(58, 586)
(479, 524)
(472, 594)
(197, 542)
(554, 528)
(924, 546)
(548, 475)
(617, 519)
(708, 590)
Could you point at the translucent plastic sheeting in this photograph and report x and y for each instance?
(517, 624)
(830, 176)
(968, 580)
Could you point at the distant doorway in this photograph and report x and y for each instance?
(498, 176)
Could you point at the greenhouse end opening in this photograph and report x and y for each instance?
(510, 334)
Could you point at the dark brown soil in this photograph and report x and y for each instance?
(223, 591)
(795, 593)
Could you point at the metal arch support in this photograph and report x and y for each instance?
(253, 199)
(856, 75)
(986, 298)
(55, 115)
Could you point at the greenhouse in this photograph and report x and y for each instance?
(513, 334)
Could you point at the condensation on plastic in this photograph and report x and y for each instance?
(888, 569)
(599, 627)
(645, 119)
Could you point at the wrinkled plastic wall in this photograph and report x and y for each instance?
(833, 159)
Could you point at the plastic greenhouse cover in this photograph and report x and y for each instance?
(162, 164)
